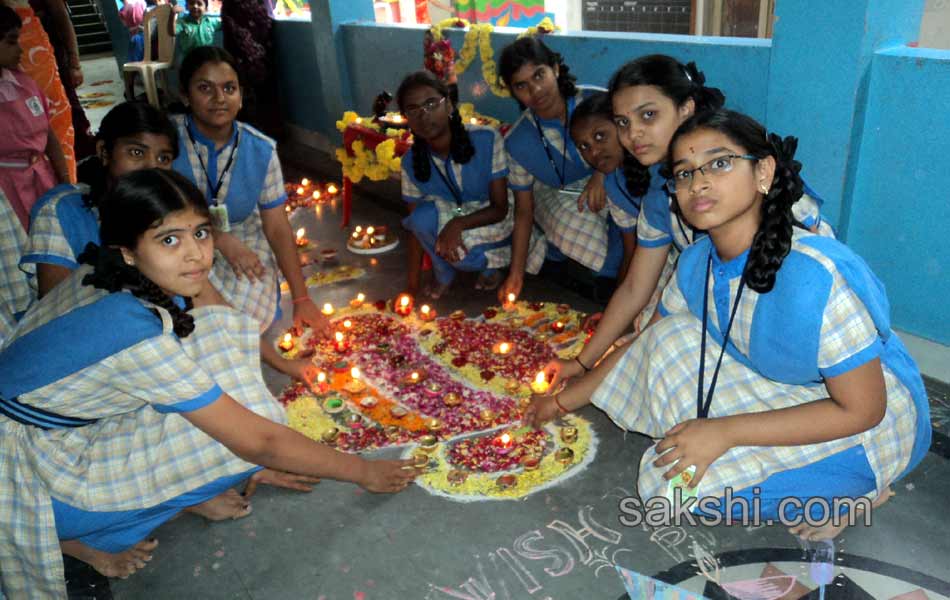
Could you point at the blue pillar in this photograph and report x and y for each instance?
(818, 84)
(334, 83)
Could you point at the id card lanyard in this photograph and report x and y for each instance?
(562, 172)
(219, 211)
(453, 189)
(702, 408)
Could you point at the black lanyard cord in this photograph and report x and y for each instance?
(215, 189)
(562, 173)
(453, 189)
(702, 408)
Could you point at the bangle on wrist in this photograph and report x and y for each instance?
(560, 406)
(300, 299)
(583, 366)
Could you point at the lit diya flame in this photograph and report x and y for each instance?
(425, 312)
(557, 326)
(331, 189)
(397, 118)
(315, 195)
(511, 298)
(347, 324)
(355, 373)
(404, 305)
(305, 182)
(301, 240)
(414, 377)
(286, 343)
(503, 444)
(340, 343)
(359, 120)
(540, 383)
(370, 230)
(473, 121)
(327, 309)
(504, 348)
(301, 191)
(321, 377)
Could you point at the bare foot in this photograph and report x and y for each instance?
(229, 505)
(120, 564)
(829, 530)
(488, 282)
(436, 290)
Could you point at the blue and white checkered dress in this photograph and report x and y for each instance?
(15, 292)
(581, 236)
(827, 314)
(254, 183)
(490, 162)
(86, 354)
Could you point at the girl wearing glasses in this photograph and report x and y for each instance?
(771, 367)
(547, 173)
(237, 169)
(453, 179)
(651, 96)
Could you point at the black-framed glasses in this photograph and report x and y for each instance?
(426, 107)
(720, 165)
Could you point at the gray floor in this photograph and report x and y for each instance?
(340, 543)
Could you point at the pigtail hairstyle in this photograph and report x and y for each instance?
(123, 120)
(138, 202)
(679, 83)
(773, 239)
(531, 50)
(461, 148)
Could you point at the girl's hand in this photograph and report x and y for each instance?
(241, 258)
(290, 481)
(75, 75)
(449, 243)
(307, 313)
(387, 476)
(592, 321)
(560, 369)
(697, 442)
(594, 194)
(302, 368)
(541, 410)
(511, 285)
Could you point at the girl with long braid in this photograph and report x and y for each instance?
(770, 369)
(155, 406)
(652, 96)
(453, 179)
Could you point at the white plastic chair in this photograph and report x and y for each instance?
(155, 20)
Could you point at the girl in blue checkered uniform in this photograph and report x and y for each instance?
(549, 178)
(124, 401)
(770, 370)
(651, 96)
(453, 179)
(237, 169)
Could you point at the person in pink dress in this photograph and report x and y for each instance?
(31, 158)
(131, 15)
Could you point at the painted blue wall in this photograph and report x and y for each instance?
(900, 202)
(298, 74)
(378, 56)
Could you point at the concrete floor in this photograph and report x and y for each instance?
(340, 543)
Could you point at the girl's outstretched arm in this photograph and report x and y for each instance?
(263, 442)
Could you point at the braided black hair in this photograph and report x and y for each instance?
(773, 239)
(531, 50)
(460, 148)
(9, 20)
(679, 83)
(123, 120)
(135, 204)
